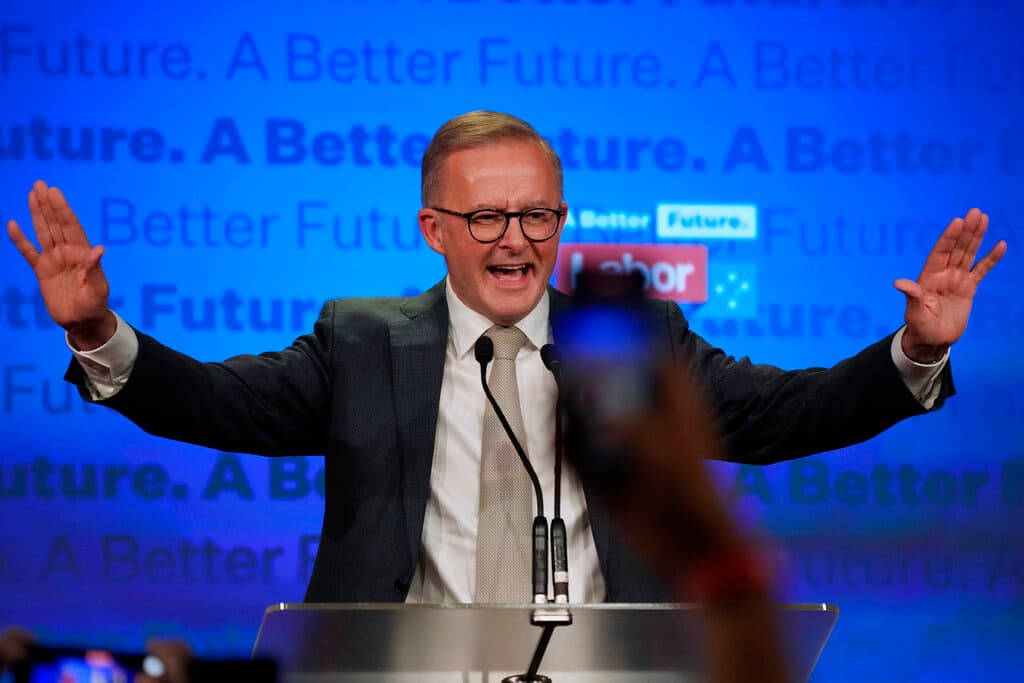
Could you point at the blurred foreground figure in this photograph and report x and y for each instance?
(639, 428)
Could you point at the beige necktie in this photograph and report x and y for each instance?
(503, 569)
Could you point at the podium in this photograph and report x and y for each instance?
(374, 643)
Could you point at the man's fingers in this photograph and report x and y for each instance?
(39, 218)
(975, 225)
(908, 287)
(986, 264)
(28, 251)
(972, 219)
(45, 199)
(69, 225)
(939, 257)
(93, 261)
(958, 254)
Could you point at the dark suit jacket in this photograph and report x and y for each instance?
(363, 390)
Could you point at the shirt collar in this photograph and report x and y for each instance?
(466, 325)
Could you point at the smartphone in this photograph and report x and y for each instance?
(71, 665)
(611, 359)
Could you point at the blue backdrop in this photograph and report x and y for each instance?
(227, 155)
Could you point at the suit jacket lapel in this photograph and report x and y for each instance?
(418, 345)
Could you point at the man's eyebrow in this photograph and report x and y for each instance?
(535, 204)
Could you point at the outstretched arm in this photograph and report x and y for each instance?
(67, 267)
(939, 302)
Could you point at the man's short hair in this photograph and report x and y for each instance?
(476, 129)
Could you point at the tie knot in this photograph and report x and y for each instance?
(507, 341)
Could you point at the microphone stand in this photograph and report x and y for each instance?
(547, 618)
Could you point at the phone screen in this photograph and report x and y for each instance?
(610, 363)
(68, 665)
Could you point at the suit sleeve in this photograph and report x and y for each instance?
(767, 414)
(271, 404)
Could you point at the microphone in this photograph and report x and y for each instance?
(484, 352)
(559, 543)
(552, 361)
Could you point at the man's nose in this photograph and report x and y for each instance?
(514, 237)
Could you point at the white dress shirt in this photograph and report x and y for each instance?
(446, 572)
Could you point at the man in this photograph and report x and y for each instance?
(388, 389)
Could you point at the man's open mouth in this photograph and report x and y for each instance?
(510, 273)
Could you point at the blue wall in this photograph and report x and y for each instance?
(851, 130)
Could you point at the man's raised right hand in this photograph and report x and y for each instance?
(71, 281)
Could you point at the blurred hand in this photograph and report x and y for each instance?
(176, 656)
(14, 643)
(670, 506)
(671, 511)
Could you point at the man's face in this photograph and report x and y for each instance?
(501, 280)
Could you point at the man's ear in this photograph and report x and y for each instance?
(430, 226)
(561, 223)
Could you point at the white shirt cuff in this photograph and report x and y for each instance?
(924, 380)
(108, 367)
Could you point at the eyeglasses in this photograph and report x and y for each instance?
(489, 225)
